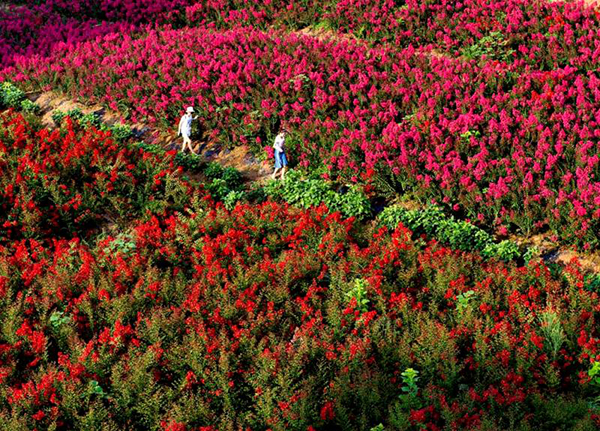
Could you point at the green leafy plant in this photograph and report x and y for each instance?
(232, 177)
(463, 299)
(493, 46)
(13, 97)
(29, 106)
(58, 116)
(10, 95)
(594, 374)
(445, 228)
(359, 293)
(213, 170)
(189, 162)
(94, 388)
(410, 389)
(57, 319)
(123, 243)
(592, 282)
(156, 149)
(232, 198)
(121, 132)
(314, 191)
(552, 330)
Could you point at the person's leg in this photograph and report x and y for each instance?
(277, 164)
(284, 163)
(183, 145)
(188, 143)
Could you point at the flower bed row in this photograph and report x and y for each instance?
(510, 149)
(37, 31)
(268, 317)
(193, 317)
(541, 35)
(73, 181)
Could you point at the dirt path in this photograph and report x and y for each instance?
(254, 170)
(552, 252)
(239, 157)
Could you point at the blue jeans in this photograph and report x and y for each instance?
(280, 159)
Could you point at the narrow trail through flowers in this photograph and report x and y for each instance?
(240, 157)
(255, 170)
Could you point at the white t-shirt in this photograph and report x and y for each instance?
(279, 142)
(185, 125)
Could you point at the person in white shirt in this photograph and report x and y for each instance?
(280, 157)
(185, 129)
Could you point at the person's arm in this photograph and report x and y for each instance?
(179, 128)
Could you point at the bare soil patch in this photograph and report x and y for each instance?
(241, 158)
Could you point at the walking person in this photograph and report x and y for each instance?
(185, 129)
(280, 157)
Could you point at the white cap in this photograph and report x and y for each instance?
(189, 109)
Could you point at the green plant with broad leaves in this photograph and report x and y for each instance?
(463, 299)
(493, 46)
(314, 191)
(359, 293)
(12, 96)
(433, 222)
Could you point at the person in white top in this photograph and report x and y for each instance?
(280, 157)
(185, 129)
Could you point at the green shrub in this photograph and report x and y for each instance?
(11, 96)
(121, 132)
(456, 233)
(315, 191)
(190, 162)
(90, 119)
(29, 106)
(218, 188)
(233, 197)
(232, 177)
(493, 46)
(156, 149)
(213, 170)
(58, 117)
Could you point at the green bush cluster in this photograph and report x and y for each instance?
(457, 234)
(189, 162)
(13, 97)
(315, 191)
(120, 132)
(494, 46)
(226, 184)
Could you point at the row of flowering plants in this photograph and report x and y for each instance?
(540, 35)
(513, 150)
(72, 181)
(266, 317)
(196, 317)
(38, 30)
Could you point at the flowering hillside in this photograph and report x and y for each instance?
(265, 316)
(509, 148)
(146, 289)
